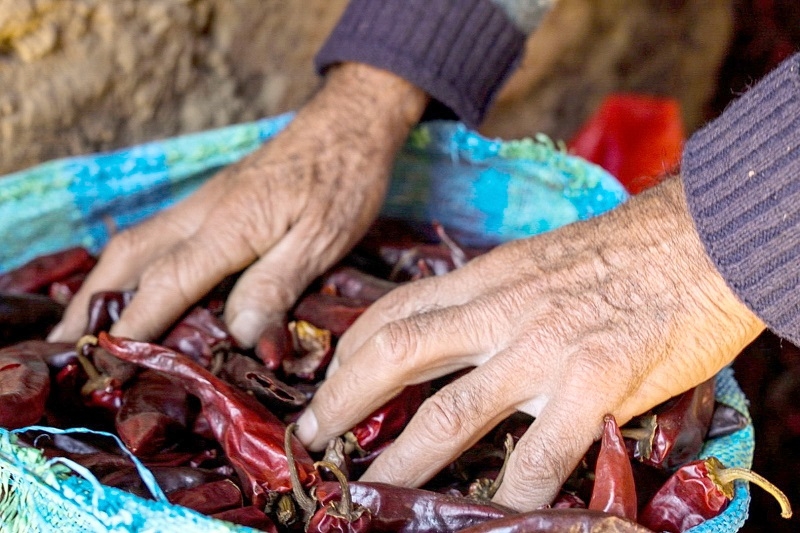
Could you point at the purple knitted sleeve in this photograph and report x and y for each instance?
(458, 52)
(741, 174)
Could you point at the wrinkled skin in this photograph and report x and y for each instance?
(613, 315)
(285, 214)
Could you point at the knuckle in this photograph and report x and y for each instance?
(395, 342)
(447, 417)
(536, 472)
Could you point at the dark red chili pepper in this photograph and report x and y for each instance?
(314, 345)
(679, 428)
(402, 509)
(614, 489)
(155, 411)
(568, 500)
(209, 498)
(37, 274)
(387, 421)
(250, 516)
(199, 335)
(26, 316)
(326, 311)
(353, 283)
(24, 385)
(169, 478)
(274, 343)
(549, 520)
(251, 436)
(99, 390)
(251, 376)
(105, 308)
(698, 491)
(340, 516)
(726, 421)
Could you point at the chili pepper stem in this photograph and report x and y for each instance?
(306, 502)
(725, 476)
(509, 446)
(345, 506)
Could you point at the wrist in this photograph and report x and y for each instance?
(678, 232)
(382, 105)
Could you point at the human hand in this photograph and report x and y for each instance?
(285, 213)
(613, 315)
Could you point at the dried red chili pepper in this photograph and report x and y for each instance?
(209, 498)
(37, 274)
(169, 478)
(199, 335)
(387, 421)
(315, 346)
(155, 411)
(614, 489)
(251, 436)
(568, 500)
(342, 515)
(326, 311)
(353, 283)
(549, 520)
(698, 491)
(274, 343)
(105, 308)
(405, 509)
(26, 316)
(251, 376)
(677, 432)
(99, 390)
(250, 516)
(24, 385)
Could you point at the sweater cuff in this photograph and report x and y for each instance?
(741, 174)
(459, 55)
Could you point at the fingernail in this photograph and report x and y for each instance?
(246, 326)
(307, 427)
(56, 333)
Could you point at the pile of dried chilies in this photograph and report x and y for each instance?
(213, 422)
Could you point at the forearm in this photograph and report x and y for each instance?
(457, 52)
(742, 179)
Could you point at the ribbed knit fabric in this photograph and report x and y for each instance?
(460, 57)
(741, 174)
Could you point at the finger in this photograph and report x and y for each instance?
(410, 299)
(448, 423)
(270, 286)
(221, 246)
(122, 262)
(548, 452)
(412, 350)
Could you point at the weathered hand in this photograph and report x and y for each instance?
(285, 213)
(612, 315)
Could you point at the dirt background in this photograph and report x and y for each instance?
(80, 76)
